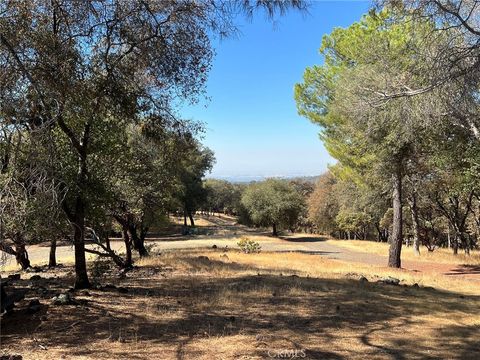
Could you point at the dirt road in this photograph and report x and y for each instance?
(224, 232)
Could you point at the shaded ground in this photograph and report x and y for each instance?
(181, 305)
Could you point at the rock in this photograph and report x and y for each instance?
(63, 299)
(203, 258)
(416, 286)
(122, 290)
(84, 293)
(224, 256)
(34, 269)
(36, 278)
(390, 280)
(214, 246)
(34, 306)
(363, 279)
(109, 287)
(294, 276)
(14, 277)
(232, 318)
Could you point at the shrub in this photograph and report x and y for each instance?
(249, 246)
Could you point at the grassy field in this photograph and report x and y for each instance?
(212, 304)
(441, 255)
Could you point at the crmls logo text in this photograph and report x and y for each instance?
(287, 353)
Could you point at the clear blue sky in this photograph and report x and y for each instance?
(251, 118)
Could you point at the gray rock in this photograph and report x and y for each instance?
(390, 280)
(63, 299)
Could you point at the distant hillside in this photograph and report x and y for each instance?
(249, 178)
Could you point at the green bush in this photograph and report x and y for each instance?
(249, 246)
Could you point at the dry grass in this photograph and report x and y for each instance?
(181, 305)
(444, 256)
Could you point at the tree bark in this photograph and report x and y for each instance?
(397, 236)
(21, 256)
(416, 224)
(138, 241)
(52, 259)
(81, 276)
(128, 246)
(274, 229)
(190, 216)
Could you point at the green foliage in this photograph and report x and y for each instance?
(249, 246)
(273, 203)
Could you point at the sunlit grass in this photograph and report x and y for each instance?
(440, 255)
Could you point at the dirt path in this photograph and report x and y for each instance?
(224, 232)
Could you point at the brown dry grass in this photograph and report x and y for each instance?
(181, 305)
(441, 255)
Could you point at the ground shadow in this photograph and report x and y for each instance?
(275, 312)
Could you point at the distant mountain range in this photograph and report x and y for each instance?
(250, 178)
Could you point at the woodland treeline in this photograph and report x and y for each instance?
(92, 139)
(90, 132)
(397, 101)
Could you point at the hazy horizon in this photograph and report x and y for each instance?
(251, 119)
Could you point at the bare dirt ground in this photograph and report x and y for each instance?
(190, 302)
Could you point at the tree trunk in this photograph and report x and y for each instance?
(185, 218)
(455, 245)
(190, 216)
(21, 256)
(397, 236)
(128, 247)
(274, 229)
(416, 225)
(81, 276)
(52, 259)
(138, 242)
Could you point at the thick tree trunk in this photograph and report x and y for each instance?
(190, 216)
(397, 236)
(21, 256)
(138, 241)
(416, 224)
(52, 259)
(274, 229)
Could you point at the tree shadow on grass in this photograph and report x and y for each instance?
(304, 238)
(180, 313)
(465, 270)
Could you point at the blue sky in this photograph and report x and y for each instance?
(251, 118)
